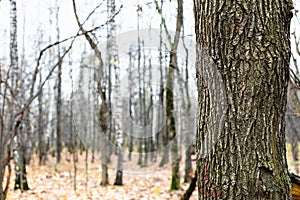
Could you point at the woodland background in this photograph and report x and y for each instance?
(67, 88)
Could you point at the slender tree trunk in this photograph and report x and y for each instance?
(188, 119)
(41, 136)
(27, 139)
(94, 124)
(139, 111)
(14, 45)
(244, 47)
(19, 158)
(58, 100)
(188, 165)
(18, 146)
(105, 142)
(144, 109)
(165, 138)
(114, 63)
(175, 181)
(151, 119)
(105, 107)
(130, 89)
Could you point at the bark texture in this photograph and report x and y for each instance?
(248, 43)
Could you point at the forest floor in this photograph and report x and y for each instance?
(57, 182)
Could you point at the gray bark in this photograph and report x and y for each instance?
(248, 43)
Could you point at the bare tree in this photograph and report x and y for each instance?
(175, 181)
(114, 63)
(58, 95)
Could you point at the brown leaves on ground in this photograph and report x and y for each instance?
(57, 182)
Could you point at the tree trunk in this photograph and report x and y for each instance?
(248, 42)
(175, 181)
(164, 132)
(105, 141)
(19, 157)
(113, 59)
(58, 100)
(41, 136)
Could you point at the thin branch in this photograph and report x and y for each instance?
(188, 193)
(94, 47)
(163, 21)
(32, 97)
(88, 38)
(65, 40)
(96, 50)
(295, 79)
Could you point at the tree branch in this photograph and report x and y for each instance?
(32, 95)
(188, 193)
(94, 47)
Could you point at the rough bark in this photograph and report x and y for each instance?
(248, 42)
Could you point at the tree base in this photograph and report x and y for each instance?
(24, 185)
(119, 178)
(24, 188)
